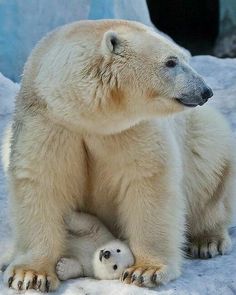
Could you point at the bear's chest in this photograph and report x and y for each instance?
(115, 161)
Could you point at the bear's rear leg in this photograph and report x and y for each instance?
(209, 246)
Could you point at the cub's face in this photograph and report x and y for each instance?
(111, 260)
(107, 76)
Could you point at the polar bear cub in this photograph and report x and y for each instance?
(92, 250)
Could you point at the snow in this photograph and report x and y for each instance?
(8, 91)
(200, 277)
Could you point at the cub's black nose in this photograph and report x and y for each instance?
(207, 93)
(105, 254)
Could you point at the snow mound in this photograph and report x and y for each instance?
(8, 91)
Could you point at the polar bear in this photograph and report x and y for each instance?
(110, 121)
(93, 251)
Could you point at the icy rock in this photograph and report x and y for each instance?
(226, 41)
(220, 74)
(226, 44)
(23, 23)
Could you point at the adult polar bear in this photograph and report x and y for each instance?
(91, 132)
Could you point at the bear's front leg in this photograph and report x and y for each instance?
(46, 182)
(29, 272)
(152, 216)
(39, 239)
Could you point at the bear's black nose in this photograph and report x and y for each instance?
(207, 93)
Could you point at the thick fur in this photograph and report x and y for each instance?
(87, 243)
(95, 130)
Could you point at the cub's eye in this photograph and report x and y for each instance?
(171, 63)
(118, 250)
(115, 267)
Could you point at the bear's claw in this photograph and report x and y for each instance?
(209, 247)
(10, 280)
(146, 275)
(21, 279)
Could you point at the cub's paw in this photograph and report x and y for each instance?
(21, 277)
(68, 268)
(209, 247)
(148, 276)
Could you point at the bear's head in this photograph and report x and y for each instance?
(106, 76)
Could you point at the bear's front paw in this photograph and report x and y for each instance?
(146, 275)
(21, 277)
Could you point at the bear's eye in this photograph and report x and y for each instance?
(118, 250)
(115, 267)
(171, 63)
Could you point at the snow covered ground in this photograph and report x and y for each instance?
(200, 277)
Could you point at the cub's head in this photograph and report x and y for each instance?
(110, 261)
(106, 76)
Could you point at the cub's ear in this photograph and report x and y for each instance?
(112, 43)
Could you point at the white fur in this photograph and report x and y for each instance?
(99, 132)
(123, 259)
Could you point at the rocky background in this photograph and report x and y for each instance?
(24, 23)
(226, 41)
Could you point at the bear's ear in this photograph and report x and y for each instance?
(112, 43)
